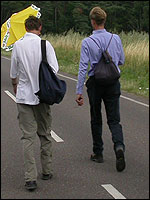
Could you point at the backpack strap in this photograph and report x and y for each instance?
(109, 42)
(97, 43)
(43, 50)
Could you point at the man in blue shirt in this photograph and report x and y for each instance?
(90, 53)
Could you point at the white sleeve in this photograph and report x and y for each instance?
(51, 57)
(14, 63)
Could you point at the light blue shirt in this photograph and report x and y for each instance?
(91, 53)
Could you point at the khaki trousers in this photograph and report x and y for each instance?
(35, 119)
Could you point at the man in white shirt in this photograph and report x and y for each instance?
(34, 117)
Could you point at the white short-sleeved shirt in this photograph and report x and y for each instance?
(25, 61)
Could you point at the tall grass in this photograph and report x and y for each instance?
(67, 47)
(135, 71)
(70, 40)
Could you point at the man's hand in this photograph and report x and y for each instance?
(14, 83)
(79, 99)
(15, 88)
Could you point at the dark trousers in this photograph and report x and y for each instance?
(110, 96)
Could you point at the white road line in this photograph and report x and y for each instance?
(135, 101)
(53, 134)
(67, 77)
(138, 102)
(111, 190)
(56, 137)
(127, 98)
(6, 58)
(10, 95)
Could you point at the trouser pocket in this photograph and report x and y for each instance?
(90, 82)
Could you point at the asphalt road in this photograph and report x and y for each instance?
(75, 176)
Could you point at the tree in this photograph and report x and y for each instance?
(61, 16)
(81, 20)
(145, 17)
(10, 7)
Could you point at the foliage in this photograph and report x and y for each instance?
(61, 16)
(66, 23)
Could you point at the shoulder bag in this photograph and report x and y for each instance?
(105, 72)
(52, 89)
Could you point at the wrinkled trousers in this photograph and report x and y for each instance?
(35, 120)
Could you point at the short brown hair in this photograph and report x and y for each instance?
(98, 15)
(32, 23)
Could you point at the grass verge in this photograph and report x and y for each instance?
(135, 71)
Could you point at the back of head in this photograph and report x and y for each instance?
(32, 23)
(98, 15)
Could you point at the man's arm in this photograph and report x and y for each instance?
(14, 83)
(14, 69)
(83, 66)
(122, 57)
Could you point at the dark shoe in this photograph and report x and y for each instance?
(47, 176)
(120, 160)
(97, 158)
(31, 185)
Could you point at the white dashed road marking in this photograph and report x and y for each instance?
(56, 137)
(10, 95)
(53, 134)
(111, 190)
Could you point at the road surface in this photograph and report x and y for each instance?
(75, 175)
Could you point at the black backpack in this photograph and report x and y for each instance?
(105, 72)
(52, 89)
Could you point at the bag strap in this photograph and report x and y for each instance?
(43, 50)
(94, 41)
(109, 42)
(97, 43)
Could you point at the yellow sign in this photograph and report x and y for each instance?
(14, 29)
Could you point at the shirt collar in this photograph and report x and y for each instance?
(99, 31)
(31, 34)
